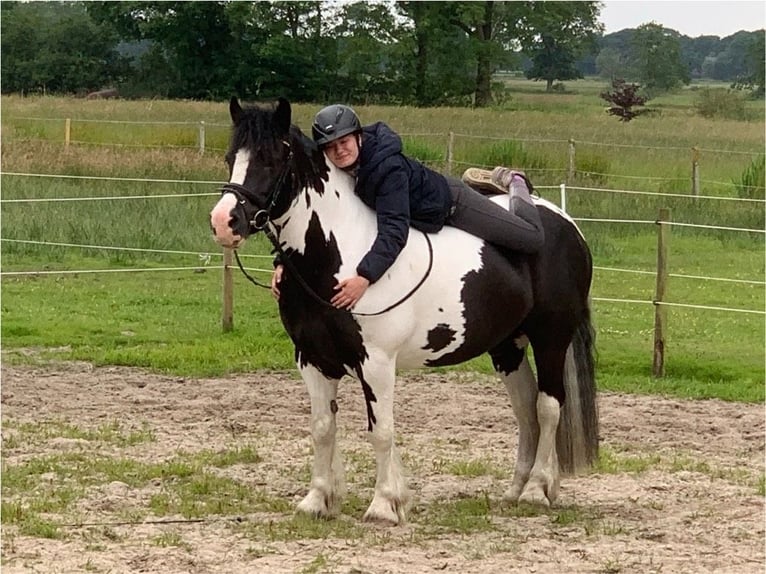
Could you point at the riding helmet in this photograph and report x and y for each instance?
(334, 122)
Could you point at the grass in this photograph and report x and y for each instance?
(169, 321)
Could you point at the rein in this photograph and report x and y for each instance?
(285, 259)
(260, 222)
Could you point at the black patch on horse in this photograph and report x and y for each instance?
(327, 338)
(439, 337)
(502, 279)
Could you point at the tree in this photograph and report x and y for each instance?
(657, 58)
(609, 63)
(491, 26)
(555, 34)
(755, 66)
(623, 98)
(56, 47)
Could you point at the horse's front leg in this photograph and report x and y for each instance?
(378, 378)
(327, 476)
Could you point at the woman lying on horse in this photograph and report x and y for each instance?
(403, 193)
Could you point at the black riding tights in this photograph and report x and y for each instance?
(518, 228)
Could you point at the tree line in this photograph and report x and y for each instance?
(402, 52)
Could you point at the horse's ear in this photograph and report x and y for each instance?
(235, 109)
(282, 115)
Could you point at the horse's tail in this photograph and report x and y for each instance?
(577, 434)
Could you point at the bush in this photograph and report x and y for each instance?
(718, 103)
(751, 182)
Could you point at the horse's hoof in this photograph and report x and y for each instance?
(315, 504)
(384, 512)
(513, 494)
(534, 495)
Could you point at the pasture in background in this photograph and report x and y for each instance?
(170, 320)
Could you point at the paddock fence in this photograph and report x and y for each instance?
(204, 260)
(198, 133)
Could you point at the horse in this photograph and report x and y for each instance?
(447, 298)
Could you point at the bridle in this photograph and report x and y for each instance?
(261, 221)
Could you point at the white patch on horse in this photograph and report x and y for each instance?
(239, 170)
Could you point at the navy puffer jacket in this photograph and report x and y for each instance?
(403, 193)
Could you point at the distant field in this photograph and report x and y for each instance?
(169, 321)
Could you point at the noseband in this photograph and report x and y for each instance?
(261, 220)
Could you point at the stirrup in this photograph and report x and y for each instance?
(481, 181)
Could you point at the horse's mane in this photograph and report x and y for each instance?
(258, 132)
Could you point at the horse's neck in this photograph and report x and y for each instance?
(338, 209)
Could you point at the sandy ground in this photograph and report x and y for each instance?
(696, 508)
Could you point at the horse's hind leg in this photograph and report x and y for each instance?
(327, 476)
(510, 361)
(543, 482)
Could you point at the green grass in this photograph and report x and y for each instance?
(170, 321)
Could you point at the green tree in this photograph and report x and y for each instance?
(609, 64)
(437, 61)
(555, 34)
(657, 59)
(56, 47)
(755, 66)
(491, 26)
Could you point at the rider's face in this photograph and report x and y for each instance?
(343, 152)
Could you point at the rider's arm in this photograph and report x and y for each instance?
(392, 206)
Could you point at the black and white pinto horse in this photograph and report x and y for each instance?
(472, 299)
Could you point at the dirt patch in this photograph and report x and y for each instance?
(684, 492)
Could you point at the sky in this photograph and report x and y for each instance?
(690, 17)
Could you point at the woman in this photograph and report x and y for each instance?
(404, 193)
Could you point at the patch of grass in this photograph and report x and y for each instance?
(238, 455)
(462, 515)
(205, 494)
(188, 488)
(319, 564)
(109, 432)
(684, 463)
(168, 539)
(35, 526)
(609, 462)
(475, 467)
(760, 487)
(302, 527)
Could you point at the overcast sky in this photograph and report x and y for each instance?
(691, 17)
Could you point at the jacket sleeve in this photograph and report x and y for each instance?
(392, 206)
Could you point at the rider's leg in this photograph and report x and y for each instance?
(518, 228)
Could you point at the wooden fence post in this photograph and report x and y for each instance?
(227, 312)
(450, 151)
(67, 132)
(695, 172)
(571, 162)
(660, 311)
(201, 137)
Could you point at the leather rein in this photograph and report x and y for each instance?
(262, 222)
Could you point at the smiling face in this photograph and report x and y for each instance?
(344, 151)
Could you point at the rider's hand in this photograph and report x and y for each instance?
(276, 279)
(349, 291)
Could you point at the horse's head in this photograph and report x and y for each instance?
(269, 162)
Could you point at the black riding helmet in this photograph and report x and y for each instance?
(334, 122)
